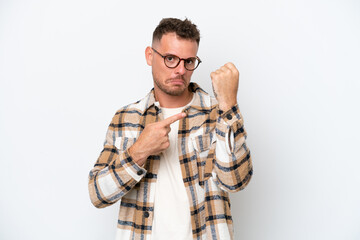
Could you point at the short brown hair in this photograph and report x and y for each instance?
(183, 28)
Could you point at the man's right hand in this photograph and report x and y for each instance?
(153, 140)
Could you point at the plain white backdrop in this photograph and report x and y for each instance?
(67, 66)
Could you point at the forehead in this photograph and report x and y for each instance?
(170, 43)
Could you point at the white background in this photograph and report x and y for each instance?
(67, 66)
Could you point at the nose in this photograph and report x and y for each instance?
(180, 69)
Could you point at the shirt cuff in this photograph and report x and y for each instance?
(231, 116)
(132, 168)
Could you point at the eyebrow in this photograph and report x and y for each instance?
(167, 54)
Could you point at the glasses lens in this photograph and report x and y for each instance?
(171, 61)
(191, 63)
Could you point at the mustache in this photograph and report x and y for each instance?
(177, 77)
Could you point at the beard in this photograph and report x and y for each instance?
(173, 90)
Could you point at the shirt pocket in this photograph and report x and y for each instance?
(123, 143)
(204, 149)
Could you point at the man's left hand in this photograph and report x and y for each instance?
(225, 82)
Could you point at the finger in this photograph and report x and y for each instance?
(174, 118)
(164, 145)
(225, 69)
(168, 129)
(216, 73)
(232, 67)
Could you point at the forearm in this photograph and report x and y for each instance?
(113, 176)
(232, 166)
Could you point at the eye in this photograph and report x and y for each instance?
(170, 58)
(189, 61)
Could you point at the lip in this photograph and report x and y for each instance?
(177, 82)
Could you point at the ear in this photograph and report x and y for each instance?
(148, 56)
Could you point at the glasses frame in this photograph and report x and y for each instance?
(199, 61)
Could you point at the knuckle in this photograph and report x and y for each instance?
(164, 133)
(166, 144)
(214, 78)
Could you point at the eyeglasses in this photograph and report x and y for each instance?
(172, 61)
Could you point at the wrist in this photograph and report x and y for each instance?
(225, 106)
(137, 156)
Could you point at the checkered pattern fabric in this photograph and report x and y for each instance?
(213, 156)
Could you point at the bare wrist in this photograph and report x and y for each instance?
(138, 157)
(226, 106)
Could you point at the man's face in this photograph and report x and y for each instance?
(171, 81)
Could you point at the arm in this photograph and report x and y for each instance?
(232, 165)
(117, 171)
(114, 174)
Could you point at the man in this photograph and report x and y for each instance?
(172, 157)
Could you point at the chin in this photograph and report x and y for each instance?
(172, 89)
(175, 91)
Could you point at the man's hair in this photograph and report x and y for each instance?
(183, 28)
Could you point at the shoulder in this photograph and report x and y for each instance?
(130, 108)
(131, 112)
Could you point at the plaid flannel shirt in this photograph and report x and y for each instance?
(213, 156)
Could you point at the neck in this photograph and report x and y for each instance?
(169, 101)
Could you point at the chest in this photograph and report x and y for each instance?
(193, 137)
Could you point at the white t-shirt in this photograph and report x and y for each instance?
(171, 207)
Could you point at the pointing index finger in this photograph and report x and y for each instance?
(174, 118)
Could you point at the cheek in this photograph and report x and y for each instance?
(161, 72)
(188, 75)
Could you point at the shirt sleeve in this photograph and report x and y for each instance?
(114, 173)
(232, 166)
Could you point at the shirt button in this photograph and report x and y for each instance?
(228, 116)
(140, 172)
(146, 214)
